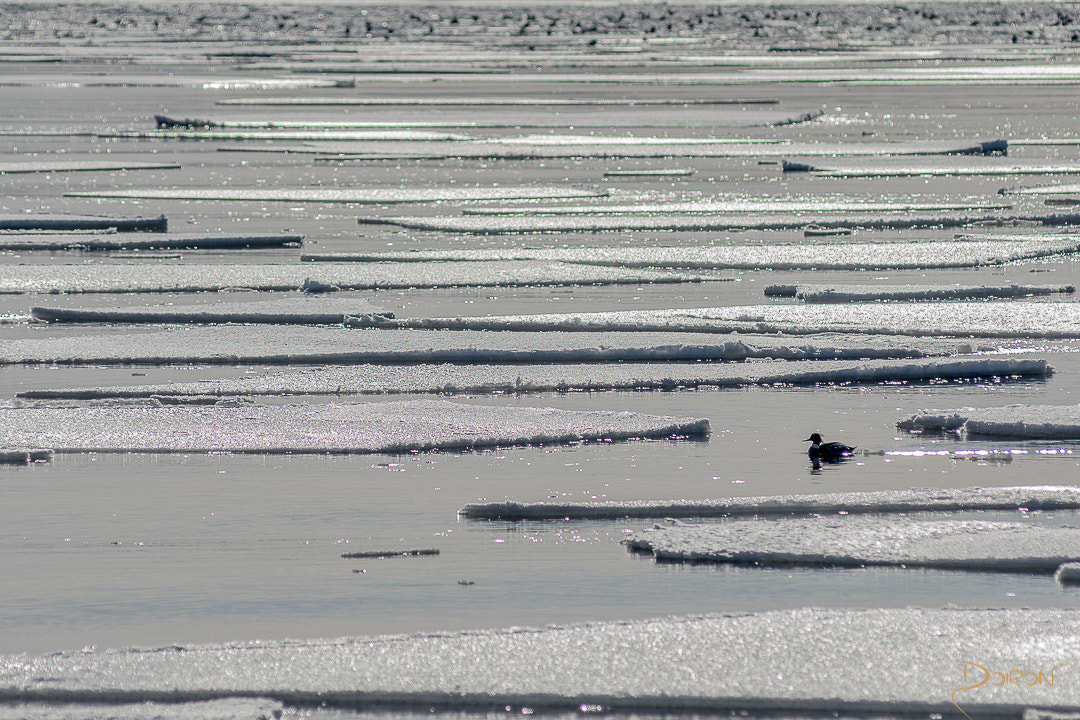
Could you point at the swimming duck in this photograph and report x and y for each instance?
(830, 451)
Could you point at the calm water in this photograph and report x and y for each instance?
(110, 550)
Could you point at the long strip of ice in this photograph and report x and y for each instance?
(83, 222)
(937, 167)
(827, 256)
(541, 147)
(497, 379)
(317, 309)
(48, 166)
(856, 541)
(698, 222)
(733, 206)
(990, 319)
(288, 344)
(1029, 422)
(380, 427)
(865, 293)
(192, 277)
(134, 241)
(344, 194)
(869, 502)
(876, 662)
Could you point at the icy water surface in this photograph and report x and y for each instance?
(516, 211)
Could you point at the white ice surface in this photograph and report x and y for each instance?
(855, 541)
(863, 293)
(477, 379)
(878, 501)
(884, 167)
(1029, 422)
(877, 662)
(192, 277)
(700, 222)
(319, 309)
(344, 195)
(131, 241)
(382, 427)
(834, 255)
(734, 206)
(1003, 319)
(287, 344)
(47, 221)
(230, 708)
(570, 146)
(47, 166)
(1068, 573)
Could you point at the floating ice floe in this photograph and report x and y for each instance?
(733, 206)
(1028, 422)
(855, 541)
(343, 195)
(486, 379)
(794, 662)
(598, 146)
(865, 293)
(1066, 189)
(48, 166)
(304, 310)
(938, 167)
(824, 256)
(83, 222)
(287, 344)
(143, 241)
(989, 319)
(190, 277)
(228, 708)
(494, 100)
(873, 502)
(382, 427)
(296, 134)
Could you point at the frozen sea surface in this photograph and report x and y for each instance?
(743, 662)
(390, 427)
(781, 256)
(488, 379)
(1044, 422)
(285, 344)
(859, 541)
(989, 319)
(915, 500)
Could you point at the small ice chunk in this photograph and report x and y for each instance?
(1068, 573)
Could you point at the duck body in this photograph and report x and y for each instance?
(828, 451)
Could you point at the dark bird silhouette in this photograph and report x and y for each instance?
(827, 451)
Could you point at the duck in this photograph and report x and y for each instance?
(827, 451)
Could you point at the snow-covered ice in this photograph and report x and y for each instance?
(45, 221)
(344, 194)
(67, 165)
(823, 256)
(858, 662)
(877, 501)
(140, 241)
(383, 427)
(318, 309)
(287, 344)
(857, 541)
(989, 319)
(1068, 573)
(1028, 422)
(735, 206)
(476, 379)
(699, 222)
(191, 277)
(883, 168)
(838, 293)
